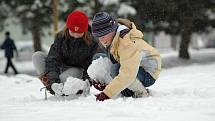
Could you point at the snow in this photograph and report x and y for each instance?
(100, 69)
(210, 14)
(182, 93)
(21, 8)
(37, 4)
(73, 85)
(30, 14)
(162, 40)
(125, 10)
(108, 2)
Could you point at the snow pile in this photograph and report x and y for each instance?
(100, 70)
(57, 88)
(73, 85)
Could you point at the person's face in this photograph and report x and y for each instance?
(107, 39)
(76, 35)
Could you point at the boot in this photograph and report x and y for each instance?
(139, 90)
(139, 94)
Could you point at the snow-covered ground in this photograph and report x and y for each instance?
(183, 93)
(25, 67)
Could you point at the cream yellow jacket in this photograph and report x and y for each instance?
(131, 52)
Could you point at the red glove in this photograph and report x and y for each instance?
(99, 86)
(44, 80)
(101, 97)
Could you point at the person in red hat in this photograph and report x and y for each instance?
(69, 55)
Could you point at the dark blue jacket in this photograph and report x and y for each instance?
(8, 46)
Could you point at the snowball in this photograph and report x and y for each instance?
(57, 88)
(100, 70)
(73, 85)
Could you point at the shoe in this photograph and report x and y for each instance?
(139, 89)
(140, 94)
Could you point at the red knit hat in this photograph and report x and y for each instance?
(77, 22)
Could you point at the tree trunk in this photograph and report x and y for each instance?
(185, 39)
(36, 35)
(55, 15)
(97, 7)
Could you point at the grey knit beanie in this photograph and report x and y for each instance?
(102, 24)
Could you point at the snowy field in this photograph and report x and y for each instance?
(183, 93)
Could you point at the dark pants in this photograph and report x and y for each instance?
(10, 64)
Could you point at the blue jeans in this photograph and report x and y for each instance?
(145, 78)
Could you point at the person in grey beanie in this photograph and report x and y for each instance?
(136, 64)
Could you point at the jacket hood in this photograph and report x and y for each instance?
(134, 32)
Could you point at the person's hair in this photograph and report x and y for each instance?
(87, 37)
(7, 33)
